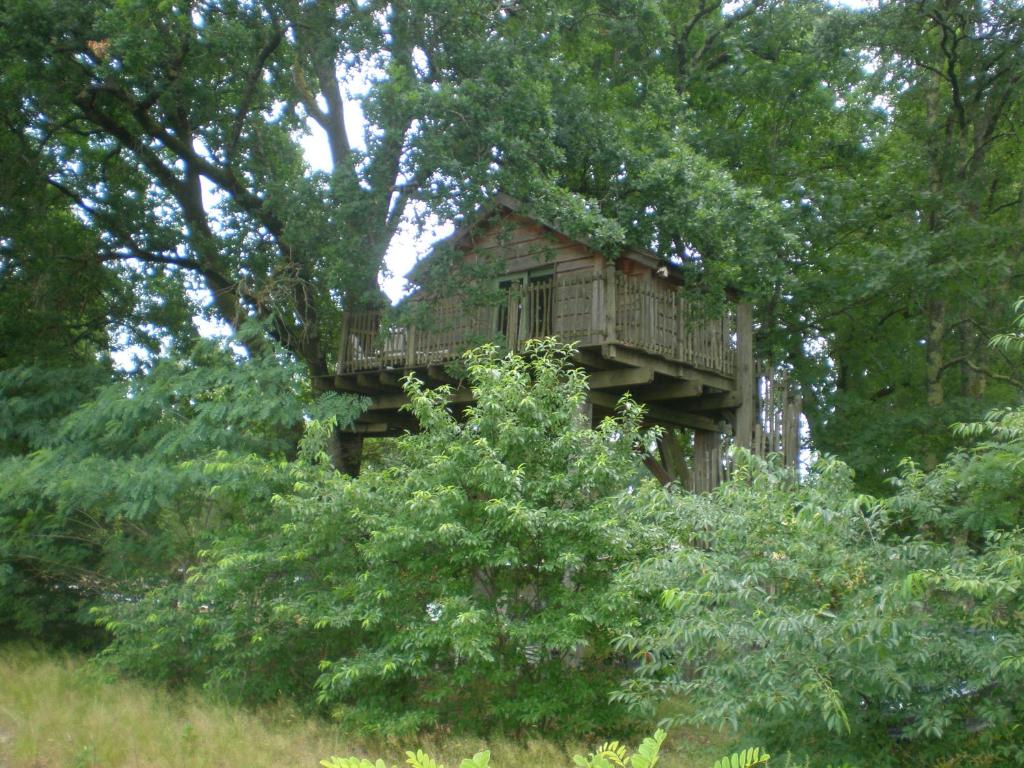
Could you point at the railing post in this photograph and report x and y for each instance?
(680, 308)
(512, 308)
(791, 427)
(745, 375)
(346, 327)
(410, 347)
(610, 303)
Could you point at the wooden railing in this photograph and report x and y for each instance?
(589, 309)
(654, 317)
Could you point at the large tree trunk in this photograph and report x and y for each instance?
(935, 365)
(346, 451)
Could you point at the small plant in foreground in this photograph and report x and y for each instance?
(747, 758)
(611, 754)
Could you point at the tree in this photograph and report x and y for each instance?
(174, 129)
(111, 486)
(468, 583)
(924, 276)
(884, 143)
(875, 630)
(802, 611)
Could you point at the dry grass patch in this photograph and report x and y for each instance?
(55, 712)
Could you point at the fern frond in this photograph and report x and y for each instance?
(747, 758)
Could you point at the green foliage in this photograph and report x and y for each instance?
(608, 755)
(417, 759)
(849, 627)
(1013, 341)
(612, 753)
(747, 758)
(110, 485)
(468, 581)
(921, 264)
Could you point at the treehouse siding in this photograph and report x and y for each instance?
(522, 245)
(586, 300)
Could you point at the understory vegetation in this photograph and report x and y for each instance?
(517, 570)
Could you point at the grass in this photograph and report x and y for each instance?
(55, 711)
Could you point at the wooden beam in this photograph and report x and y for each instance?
(791, 428)
(621, 377)
(590, 358)
(631, 357)
(349, 384)
(346, 322)
(370, 428)
(438, 373)
(707, 461)
(386, 428)
(587, 411)
(745, 375)
(669, 390)
(720, 401)
(410, 347)
(392, 402)
(662, 415)
(658, 414)
(610, 303)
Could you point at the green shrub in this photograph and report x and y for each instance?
(611, 754)
(469, 581)
(110, 484)
(747, 758)
(845, 627)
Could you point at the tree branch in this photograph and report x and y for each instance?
(249, 90)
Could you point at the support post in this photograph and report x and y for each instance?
(610, 303)
(587, 412)
(410, 347)
(791, 428)
(745, 375)
(346, 327)
(707, 460)
(680, 307)
(351, 452)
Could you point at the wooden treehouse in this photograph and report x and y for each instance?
(633, 329)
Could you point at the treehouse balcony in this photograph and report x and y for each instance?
(631, 332)
(592, 311)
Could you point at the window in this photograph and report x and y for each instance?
(526, 309)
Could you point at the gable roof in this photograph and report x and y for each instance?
(502, 204)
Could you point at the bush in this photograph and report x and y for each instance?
(847, 627)
(611, 754)
(468, 582)
(111, 483)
